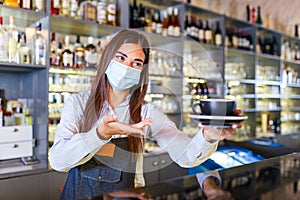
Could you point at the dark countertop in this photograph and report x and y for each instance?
(273, 178)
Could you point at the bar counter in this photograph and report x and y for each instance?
(275, 178)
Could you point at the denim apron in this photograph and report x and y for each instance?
(102, 174)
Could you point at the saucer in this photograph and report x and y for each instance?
(218, 121)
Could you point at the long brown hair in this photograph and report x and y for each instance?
(100, 85)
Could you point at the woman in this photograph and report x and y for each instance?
(100, 136)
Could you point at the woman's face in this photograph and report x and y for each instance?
(131, 55)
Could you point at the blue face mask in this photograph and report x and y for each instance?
(122, 77)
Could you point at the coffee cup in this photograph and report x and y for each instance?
(215, 107)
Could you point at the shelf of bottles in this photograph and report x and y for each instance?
(73, 60)
(23, 43)
(290, 56)
(22, 49)
(62, 83)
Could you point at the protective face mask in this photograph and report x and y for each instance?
(122, 77)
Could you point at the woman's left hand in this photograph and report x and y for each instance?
(213, 134)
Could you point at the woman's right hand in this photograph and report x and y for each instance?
(111, 126)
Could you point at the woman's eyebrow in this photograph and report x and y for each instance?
(138, 59)
(122, 54)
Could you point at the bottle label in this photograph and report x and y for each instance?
(12, 47)
(67, 60)
(26, 4)
(91, 58)
(159, 28)
(218, 39)
(170, 30)
(55, 3)
(39, 4)
(208, 35)
(111, 9)
(201, 35)
(176, 31)
(74, 7)
(91, 13)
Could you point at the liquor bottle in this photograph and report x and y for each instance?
(11, 42)
(141, 18)
(54, 7)
(57, 61)
(39, 5)
(267, 20)
(159, 25)
(201, 33)
(101, 12)
(91, 56)
(53, 50)
(134, 11)
(148, 20)
(218, 35)
(176, 23)
(258, 18)
(67, 54)
(3, 57)
(208, 33)
(153, 21)
(39, 49)
(187, 25)
(78, 54)
(165, 24)
(111, 13)
(170, 22)
(89, 11)
(296, 31)
(24, 52)
(64, 10)
(26, 4)
(248, 12)
(11, 3)
(253, 16)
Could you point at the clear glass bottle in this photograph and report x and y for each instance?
(39, 49)
(78, 54)
(11, 42)
(91, 56)
(24, 51)
(39, 5)
(3, 57)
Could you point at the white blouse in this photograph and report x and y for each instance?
(72, 147)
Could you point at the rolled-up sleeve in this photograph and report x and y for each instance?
(185, 151)
(70, 147)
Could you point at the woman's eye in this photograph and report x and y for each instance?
(138, 64)
(120, 57)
